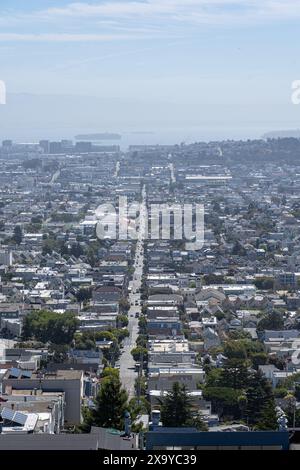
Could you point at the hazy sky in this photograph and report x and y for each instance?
(214, 58)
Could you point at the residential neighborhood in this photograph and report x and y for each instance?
(141, 317)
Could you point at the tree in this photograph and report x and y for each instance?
(142, 341)
(238, 249)
(297, 392)
(76, 250)
(59, 352)
(124, 305)
(213, 378)
(121, 334)
(84, 294)
(264, 283)
(277, 362)
(268, 418)
(198, 423)
(84, 341)
(280, 392)
(138, 406)
(139, 352)
(292, 413)
(140, 386)
(239, 334)
(50, 244)
(260, 410)
(272, 321)
(176, 407)
(111, 404)
(235, 349)
(225, 400)
(290, 381)
(259, 359)
(51, 327)
(122, 320)
(242, 402)
(110, 372)
(235, 375)
(37, 220)
(105, 335)
(143, 325)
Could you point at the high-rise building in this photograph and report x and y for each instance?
(55, 147)
(83, 147)
(45, 145)
(67, 145)
(7, 143)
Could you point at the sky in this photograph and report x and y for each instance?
(222, 65)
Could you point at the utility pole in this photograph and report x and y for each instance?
(140, 375)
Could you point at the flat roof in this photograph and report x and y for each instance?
(58, 375)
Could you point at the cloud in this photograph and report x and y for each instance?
(5, 37)
(112, 20)
(204, 10)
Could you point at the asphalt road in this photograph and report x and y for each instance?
(127, 364)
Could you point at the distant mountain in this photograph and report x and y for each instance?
(104, 136)
(295, 133)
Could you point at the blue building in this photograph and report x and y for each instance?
(190, 438)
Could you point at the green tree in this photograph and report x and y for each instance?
(198, 423)
(121, 333)
(59, 353)
(51, 327)
(235, 349)
(142, 341)
(76, 250)
(268, 418)
(272, 321)
(122, 320)
(85, 341)
(277, 362)
(259, 359)
(260, 411)
(124, 305)
(110, 372)
(143, 324)
(264, 283)
(238, 249)
(176, 407)
(138, 406)
(234, 375)
(225, 400)
(111, 404)
(84, 294)
(140, 386)
(139, 352)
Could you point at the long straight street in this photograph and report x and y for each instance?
(127, 363)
